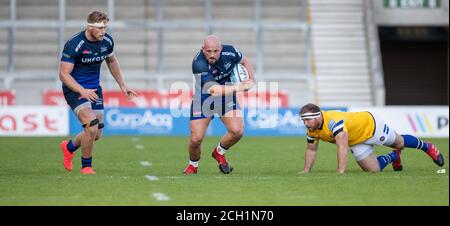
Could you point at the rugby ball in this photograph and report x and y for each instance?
(239, 74)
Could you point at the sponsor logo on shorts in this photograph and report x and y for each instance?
(99, 101)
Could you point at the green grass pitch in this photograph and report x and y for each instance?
(265, 174)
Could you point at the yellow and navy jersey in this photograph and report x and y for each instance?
(360, 126)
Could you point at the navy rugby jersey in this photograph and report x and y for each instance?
(87, 58)
(220, 72)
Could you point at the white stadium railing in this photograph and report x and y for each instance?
(257, 25)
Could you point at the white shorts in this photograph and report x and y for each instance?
(383, 136)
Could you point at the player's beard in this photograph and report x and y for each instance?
(212, 60)
(100, 37)
(310, 128)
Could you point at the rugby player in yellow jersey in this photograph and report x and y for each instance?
(359, 131)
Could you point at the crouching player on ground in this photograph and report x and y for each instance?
(359, 131)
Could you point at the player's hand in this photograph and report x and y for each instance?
(246, 85)
(89, 94)
(128, 92)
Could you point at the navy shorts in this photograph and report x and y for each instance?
(207, 107)
(72, 99)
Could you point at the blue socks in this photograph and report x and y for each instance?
(384, 160)
(414, 142)
(86, 162)
(71, 146)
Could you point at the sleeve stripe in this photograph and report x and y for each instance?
(338, 131)
(338, 127)
(338, 123)
(310, 139)
(79, 46)
(108, 39)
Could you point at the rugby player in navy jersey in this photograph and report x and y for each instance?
(79, 72)
(214, 94)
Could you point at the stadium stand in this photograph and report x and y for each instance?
(341, 53)
(156, 41)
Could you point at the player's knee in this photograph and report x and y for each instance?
(196, 141)
(372, 170)
(99, 132)
(91, 128)
(237, 133)
(91, 131)
(399, 143)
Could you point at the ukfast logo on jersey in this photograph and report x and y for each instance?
(93, 59)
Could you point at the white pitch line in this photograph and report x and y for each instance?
(135, 139)
(146, 163)
(176, 177)
(139, 146)
(161, 197)
(151, 178)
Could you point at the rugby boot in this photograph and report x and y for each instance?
(397, 165)
(190, 169)
(223, 164)
(434, 153)
(67, 156)
(87, 170)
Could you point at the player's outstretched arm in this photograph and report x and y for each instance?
(114, 68)
(342, 145)
(310, 157)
